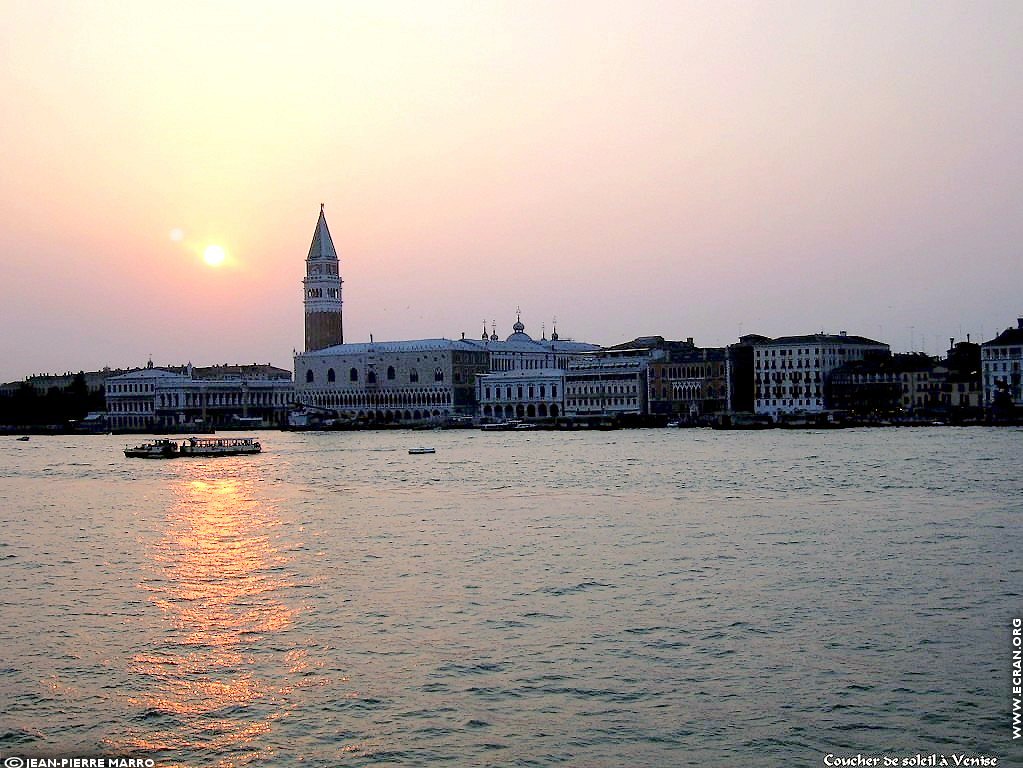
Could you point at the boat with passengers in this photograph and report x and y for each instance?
(194, 446)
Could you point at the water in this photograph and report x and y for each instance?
(658, 598)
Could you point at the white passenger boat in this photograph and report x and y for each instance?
(415, 451)
(194, 446)
(219, 446)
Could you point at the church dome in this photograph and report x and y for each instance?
(519, 330)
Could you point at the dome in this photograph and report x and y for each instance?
(519, 330)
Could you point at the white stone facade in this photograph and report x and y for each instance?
(606, 386)
(1002, 366)
(521, 394)
(791, 372)
(153, 398)
(392, 382)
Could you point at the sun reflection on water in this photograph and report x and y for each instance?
(222, 674)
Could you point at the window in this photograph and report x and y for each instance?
(438, 375)
(330, 375)
(371, 377)
(353, 374)
(413, 376)
(390, 373)
(309, 376)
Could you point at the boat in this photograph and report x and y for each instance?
(505, 426)
(194, 446)
(415, 451)
(158, 449)
(23, 439)
(219, 446)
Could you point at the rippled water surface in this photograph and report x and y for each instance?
(654, 598)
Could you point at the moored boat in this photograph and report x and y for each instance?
(501, 426)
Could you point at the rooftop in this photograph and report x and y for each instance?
(1009, 336)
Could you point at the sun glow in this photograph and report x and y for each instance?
(214, 255)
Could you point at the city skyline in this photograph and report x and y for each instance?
(674, 169)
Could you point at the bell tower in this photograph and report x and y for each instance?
(322, 285)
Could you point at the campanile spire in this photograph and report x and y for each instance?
(322, 288)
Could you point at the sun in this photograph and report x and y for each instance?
(214, 255)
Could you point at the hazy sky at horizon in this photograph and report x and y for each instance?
(685, 169)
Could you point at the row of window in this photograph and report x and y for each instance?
(593, 389)
(122, 388)
(790, 402)
(806, 391)
(598, 402)
(688, 392)
(801, 352)
(371, 375)
(385, 399)
(1004, 367)
(495, 393)
(686, 372)
(197, 399)
(318, 293)
(131, 406)
(992, 352)
(766, 377)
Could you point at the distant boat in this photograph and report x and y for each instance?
(415, 451)
(23, 439)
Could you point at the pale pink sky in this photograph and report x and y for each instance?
(685, 169)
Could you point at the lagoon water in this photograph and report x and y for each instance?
(642, 597)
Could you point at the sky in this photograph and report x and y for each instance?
(704, 169)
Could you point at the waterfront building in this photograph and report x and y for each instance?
(959, 389)
(322, 291)
(790, 373)
(526, 375)
(688, 382)
(739, 373)
(613, 381)
(217, 396)
(521, 394)
(392, 381)
(884, 384)
(1002, 360)
(44, 382)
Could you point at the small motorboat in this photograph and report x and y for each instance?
(23, 439)
(416, 451)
